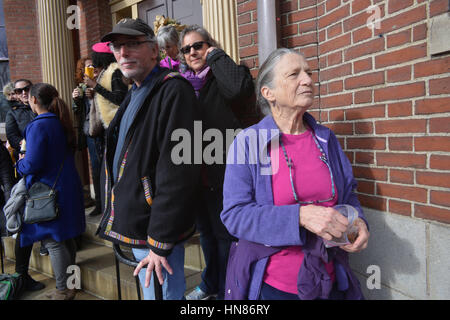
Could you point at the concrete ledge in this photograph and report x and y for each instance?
(412, 255)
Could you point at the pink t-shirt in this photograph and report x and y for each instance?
(312, 181)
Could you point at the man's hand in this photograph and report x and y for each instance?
(153, 261)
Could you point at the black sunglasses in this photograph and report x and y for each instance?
(20, 90)
(197, 46)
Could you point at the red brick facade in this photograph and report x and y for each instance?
(382, 93)
(22, 33)
(95, 22)
(22, 29)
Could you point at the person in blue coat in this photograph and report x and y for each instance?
(50, 144)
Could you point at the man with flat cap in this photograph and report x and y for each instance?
(148, 199)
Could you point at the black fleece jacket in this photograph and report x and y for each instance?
(17, 120)
(152, 204)
(226, 91)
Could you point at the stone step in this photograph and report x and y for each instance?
(97, 270)
(97, 264)
(49, 283)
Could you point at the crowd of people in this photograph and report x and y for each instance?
(262, 235)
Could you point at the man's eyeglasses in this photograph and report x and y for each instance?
(197, 46)
(20, 90)
(130, 45)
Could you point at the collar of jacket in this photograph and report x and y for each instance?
(20, 105)
(113, 129)
(159, 77)
(322, 133)
(45, 115)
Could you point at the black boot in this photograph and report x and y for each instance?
(31, 284)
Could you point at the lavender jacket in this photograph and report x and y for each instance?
(249, 213)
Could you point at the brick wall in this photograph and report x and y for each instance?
(22, 33)
(382, 93)
(95, 22)
(22, 30)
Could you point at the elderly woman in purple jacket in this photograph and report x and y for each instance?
(282, 179)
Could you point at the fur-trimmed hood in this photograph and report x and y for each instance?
(106, 108)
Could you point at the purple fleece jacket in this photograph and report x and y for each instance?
(248, 210)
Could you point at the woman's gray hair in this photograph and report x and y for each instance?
(167, 35)
(206, 36)
(266, 76)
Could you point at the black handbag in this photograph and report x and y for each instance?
(41, 202)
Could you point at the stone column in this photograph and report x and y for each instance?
(220, 19)
(57, 59)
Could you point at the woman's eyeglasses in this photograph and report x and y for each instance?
(197, 46)
(323, 158)
(20, 90)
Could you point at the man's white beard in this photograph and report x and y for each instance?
(128, 73)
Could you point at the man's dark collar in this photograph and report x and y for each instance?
(148, 78)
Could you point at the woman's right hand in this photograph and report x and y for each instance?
(323, 221)
(76, 93)
(90, 93)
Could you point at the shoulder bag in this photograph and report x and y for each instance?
(41, 202)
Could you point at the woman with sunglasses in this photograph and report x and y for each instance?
(222, 87)
(283, 177)
(19, 116)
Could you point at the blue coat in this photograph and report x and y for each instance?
(46, 149)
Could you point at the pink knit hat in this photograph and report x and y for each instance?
(101, 47)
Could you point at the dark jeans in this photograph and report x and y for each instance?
(95, 148)
(215, 242)
(23, 255)
(270, 293)
(3, 231)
